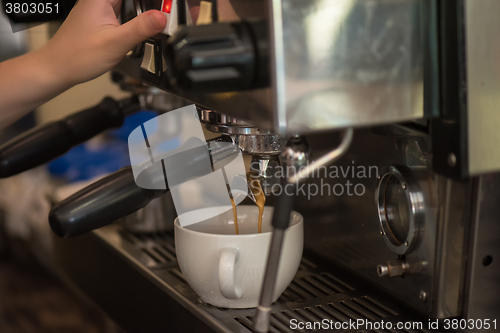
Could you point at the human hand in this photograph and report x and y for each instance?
(91, 40)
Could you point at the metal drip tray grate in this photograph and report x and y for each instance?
(314, 295)
(342, 311)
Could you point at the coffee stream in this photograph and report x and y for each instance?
(235, 214)
(260, 197)
(260, 200)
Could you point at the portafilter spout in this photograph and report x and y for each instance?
(262, 145)
(295, 156)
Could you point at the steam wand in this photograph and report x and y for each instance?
(296, 155)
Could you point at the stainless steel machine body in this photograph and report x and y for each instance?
(452, 266)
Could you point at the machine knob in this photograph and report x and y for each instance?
(219, 57)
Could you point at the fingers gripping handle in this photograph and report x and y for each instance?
(227, 278)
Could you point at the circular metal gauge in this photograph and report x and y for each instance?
(400, 208)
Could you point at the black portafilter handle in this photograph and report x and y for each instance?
(44, 143)
(100, 203)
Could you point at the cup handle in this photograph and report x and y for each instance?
(227, 283)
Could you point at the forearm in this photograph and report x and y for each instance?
(27, 82)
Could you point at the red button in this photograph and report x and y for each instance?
(166, 6)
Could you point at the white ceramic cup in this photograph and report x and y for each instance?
(227, 270)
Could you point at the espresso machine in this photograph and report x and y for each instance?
(384, 109)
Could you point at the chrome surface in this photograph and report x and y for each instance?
(263, 312)
(483, 83)
(401, 220)
(130, 10)
(266, 169)
(221, 123)
(295, 155)
(221, 149)
(325, 160)
(151, 98)
(318, 291)
(336, 64)
(252, 140)
(133, 85)
(393, 268)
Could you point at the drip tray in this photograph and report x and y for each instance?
(137, 281)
